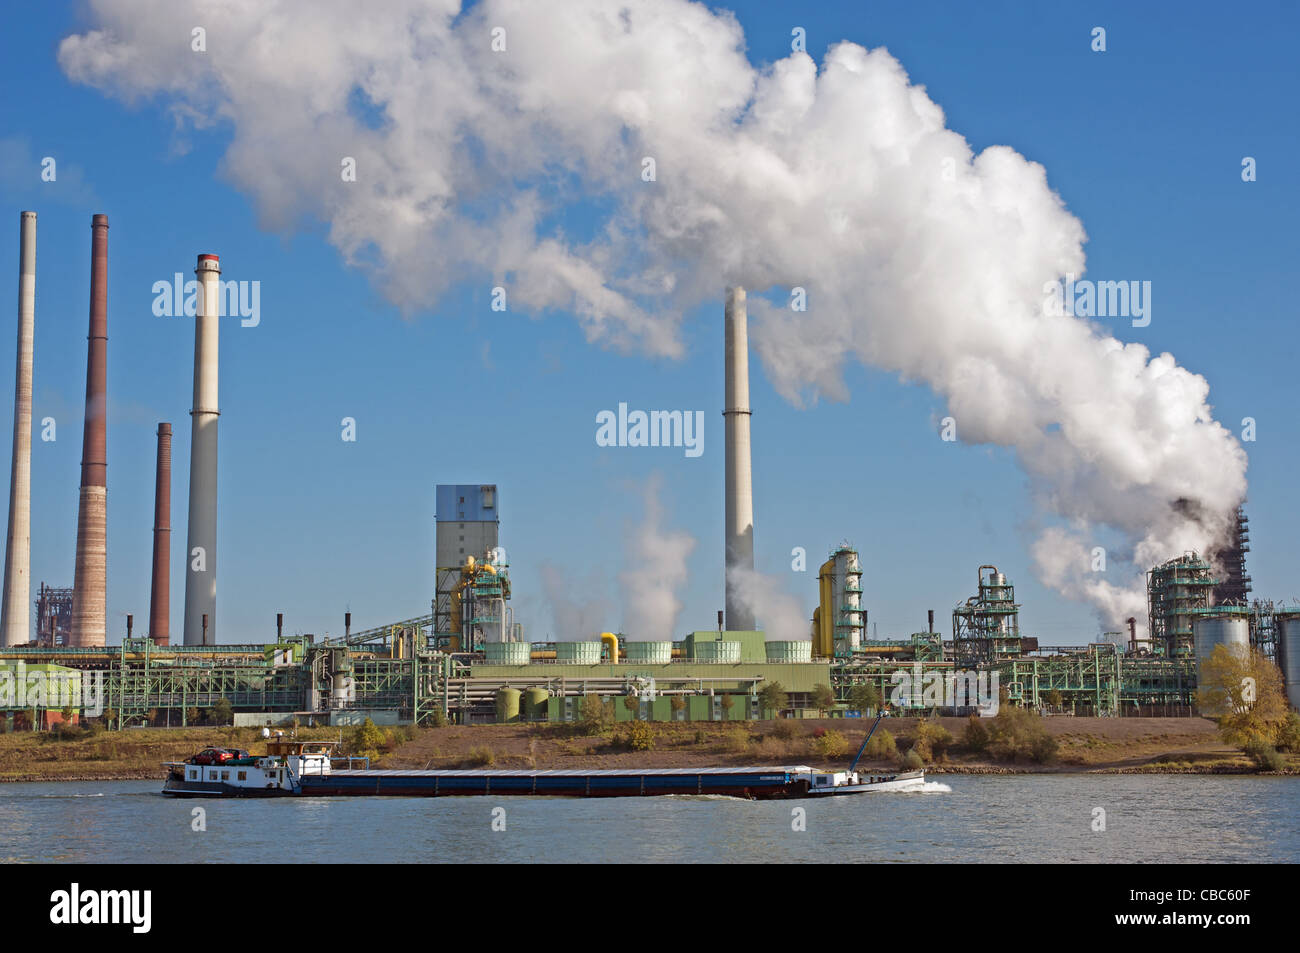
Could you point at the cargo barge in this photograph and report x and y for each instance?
(306, 769)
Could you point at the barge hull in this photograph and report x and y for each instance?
(415, 784)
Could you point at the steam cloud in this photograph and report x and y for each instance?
(656, 570)
(918, 255)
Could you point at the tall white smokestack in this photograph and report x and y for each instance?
(740, 492)
(201, 549)
(15, 612)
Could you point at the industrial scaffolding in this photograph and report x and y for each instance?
(1175, 590)
(986, 629)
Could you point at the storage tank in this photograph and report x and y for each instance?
(650, 653)
(507, 704)
(535, 704)
(726, 652)
(1288, 641)
(799, 650)
(508, 653)
(1231, 629)
(578, 653)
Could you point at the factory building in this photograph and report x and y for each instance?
(468, 660)
(468, 524)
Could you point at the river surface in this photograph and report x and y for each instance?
(966, 819)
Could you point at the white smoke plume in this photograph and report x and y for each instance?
(578, 613)
(776, 612)
(918, 255)
(656, 571)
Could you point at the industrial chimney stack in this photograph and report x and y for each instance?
(740, 495)
(15, 613)
(90, 571)
(201, 549)
(160, 589)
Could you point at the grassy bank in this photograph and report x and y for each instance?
(119, 755)
(1110, 745)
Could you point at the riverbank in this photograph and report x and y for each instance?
(1091, 745)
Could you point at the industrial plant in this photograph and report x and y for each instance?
(470, 661)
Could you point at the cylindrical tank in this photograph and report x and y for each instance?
(342, 690)
(650, 653)
(799, 650)
(507, 704)
(1288, 640)
(728, 652)
(578, 653)
(1231, 630)
(535, 704)
(508, 653)
(1211, 631)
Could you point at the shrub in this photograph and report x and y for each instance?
(481, 756)
(593, 714)
(676, 702)
(882, 745)
(366, 740)
(632, 703)
(975, 736)
(783, 729)
(727, 702)
(831, 744)
(1017, 734)
(1265, 755)
(932, 740)
(1288, 733)
(912, 761)
(735, 739)
(701, 736)
(636, 736)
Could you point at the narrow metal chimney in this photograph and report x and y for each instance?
(160, 588)
(89, 578)
(201, 547)
(740, 494)
(15, 611)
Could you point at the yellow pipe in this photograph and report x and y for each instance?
(610, 639)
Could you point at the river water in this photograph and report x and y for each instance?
(967, 819)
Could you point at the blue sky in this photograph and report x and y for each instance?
(1143, 143)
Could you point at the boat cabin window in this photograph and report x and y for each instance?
(194, 775)
(242, 776)
(212, 775)
(225, 775)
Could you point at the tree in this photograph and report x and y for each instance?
(823, 697)
(726, 701)
(1055, 698)
(632, 703)
(222, 713)
(864, 697)
(193, 716)
(367, 738)
(1242, 690)
(975, 737)
(771, 697)
(677, 703)
(592, 714)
